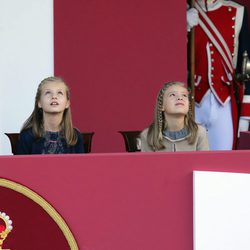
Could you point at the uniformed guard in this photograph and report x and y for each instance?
(221, 37)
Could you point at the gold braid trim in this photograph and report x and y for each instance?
(46, 206)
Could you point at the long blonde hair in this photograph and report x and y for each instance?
(35, 120)
(155, 130)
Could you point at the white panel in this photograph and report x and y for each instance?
(26, 49)
(221, 211)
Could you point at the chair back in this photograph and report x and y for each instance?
(87, 141)
(244, 141)
(13, 137)
(131, 140)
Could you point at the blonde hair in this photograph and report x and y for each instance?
(155, 130)
(35, 120)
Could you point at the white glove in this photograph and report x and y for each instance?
(243, 125)
(192, 18)
(245, 115)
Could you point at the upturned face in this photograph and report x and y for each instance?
(175, 101)
(53, 97)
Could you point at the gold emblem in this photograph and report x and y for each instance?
(5, 228)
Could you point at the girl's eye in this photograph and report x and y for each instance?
(47, 92)
(60, 93)
(185, 95)
(172, 94)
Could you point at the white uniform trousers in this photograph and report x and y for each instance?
(217, 119)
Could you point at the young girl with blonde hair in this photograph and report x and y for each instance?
(49, 128)
(173, 128)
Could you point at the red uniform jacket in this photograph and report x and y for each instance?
(216, 49)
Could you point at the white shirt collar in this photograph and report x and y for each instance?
(211, 4)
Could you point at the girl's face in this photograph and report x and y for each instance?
(53, 98)
(175, 100)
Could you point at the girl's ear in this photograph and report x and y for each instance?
(39, 105)
(68, 104)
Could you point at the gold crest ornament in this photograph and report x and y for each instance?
(5, 228)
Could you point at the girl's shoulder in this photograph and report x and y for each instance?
(77, 131)
(201, 129)
(27, 133)
(78, 134)
(144, 133)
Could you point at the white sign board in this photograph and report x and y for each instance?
(221, 211)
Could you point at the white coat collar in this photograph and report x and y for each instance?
(211, 5)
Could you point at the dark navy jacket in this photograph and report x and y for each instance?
(27, 144)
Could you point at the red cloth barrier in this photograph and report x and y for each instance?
(139, 201)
